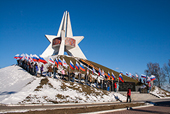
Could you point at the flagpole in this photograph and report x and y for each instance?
(69, 74)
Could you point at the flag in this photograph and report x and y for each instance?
(51, 60)
(64, 63)
(102, 72)
(77, 65)
(133, 76)
(113, 76)
(87, 70)
(22, 56)
(26, 56)
(72, 65)
(82, 67)
(148, 80)
(121, 72)
(41, 59)
(60, 62)
(99, 72)
(143, 76)
(152, 78)
(30, 58)
(108, 75)
(93, 71)
(127, 73)
(56, 62)
(136, 76)
(16, 56)
(121, 78)
(35, 58)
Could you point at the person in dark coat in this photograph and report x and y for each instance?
(128, 95)
(35, 69)
(55, 70)
(41, 69)
(50, 69)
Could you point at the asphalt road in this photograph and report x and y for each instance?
(160, 106)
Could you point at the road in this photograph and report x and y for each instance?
(160, 106)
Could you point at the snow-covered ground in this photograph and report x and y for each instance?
(13, 79)
(17, 86)
(160, 93)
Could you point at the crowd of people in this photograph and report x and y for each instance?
(53, 71)
(31, 67)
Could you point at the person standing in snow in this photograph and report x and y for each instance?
(63, 73)
(115, 86)
(31, 68)
(55, 70)
(79, 76)
(41, 69)
(35, 69)
(49, 70)
(128, 95)
(73, 76)
(28, 64)
(86, 78)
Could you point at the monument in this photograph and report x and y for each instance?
(64, 41)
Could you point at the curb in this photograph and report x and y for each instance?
(115, 110)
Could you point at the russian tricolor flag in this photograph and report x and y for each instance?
(143, 76)
(133, 76)
(102, 72)
(152, 78)
(127, 73)
(22, 56)
(121, 72)
(56, 62)
(121, 78)
(64, 63)
(72, 65)
(42, 60)
(30, 58)
(26, 56)
(82, 67)
(77, 65)
(51, 60)
(99, 72)
(148, 80)
(17, 56)
(93, 71)
(87, 70)
(113, 76)
(108, 75)
(59, 62)
(35, 57)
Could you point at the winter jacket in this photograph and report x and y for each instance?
(129, 92)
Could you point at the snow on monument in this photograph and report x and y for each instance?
(64, 41)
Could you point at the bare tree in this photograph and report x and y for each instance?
(154, 69)
(166, 70)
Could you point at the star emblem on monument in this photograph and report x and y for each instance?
(64, 41)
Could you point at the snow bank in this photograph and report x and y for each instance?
(160, 93)
(19, 87)
(13, 79)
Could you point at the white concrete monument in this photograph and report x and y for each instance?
(64, 41)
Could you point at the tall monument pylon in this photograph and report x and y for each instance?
(64, 41)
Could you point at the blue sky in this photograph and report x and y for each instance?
(123, 35)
